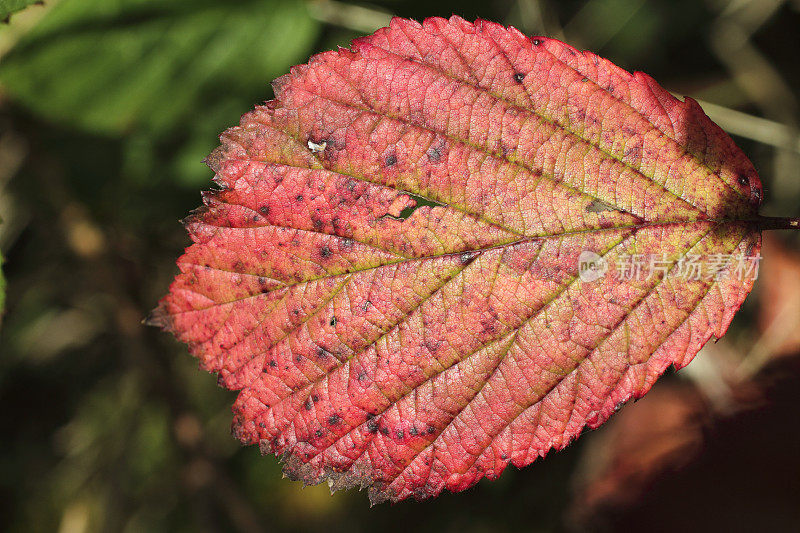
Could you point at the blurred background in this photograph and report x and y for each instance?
(107, 108)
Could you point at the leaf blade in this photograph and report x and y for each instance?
(416, 354)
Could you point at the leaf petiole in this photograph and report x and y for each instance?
(768, 223)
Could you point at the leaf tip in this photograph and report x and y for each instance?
(159, 318)
(214, 159)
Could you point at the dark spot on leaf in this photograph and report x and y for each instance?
(264, 210)
(413, 431)
(518, 77)
(743, 180)
(434, 154)
(431, 430)
(325, 252)
(299, 197)
(309, 404)
(400, 434)
(334, 419)
(536, 42)
(385, 431)
(391, 160)
(322, 353)
(372, 426)
(633, 152)
(298, 358)
(272, 363)
(432, 346)
(315, 398)
(333, 321)
(318, 433)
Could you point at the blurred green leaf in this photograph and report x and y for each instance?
(7, 7)
(116, 66)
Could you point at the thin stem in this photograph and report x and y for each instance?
(767, 223)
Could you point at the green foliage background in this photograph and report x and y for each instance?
(7, 7)
(107, 108)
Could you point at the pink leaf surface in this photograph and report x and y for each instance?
(415, 353)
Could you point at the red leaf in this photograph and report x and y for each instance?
(409, 354)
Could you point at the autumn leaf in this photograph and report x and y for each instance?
(389, 272)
